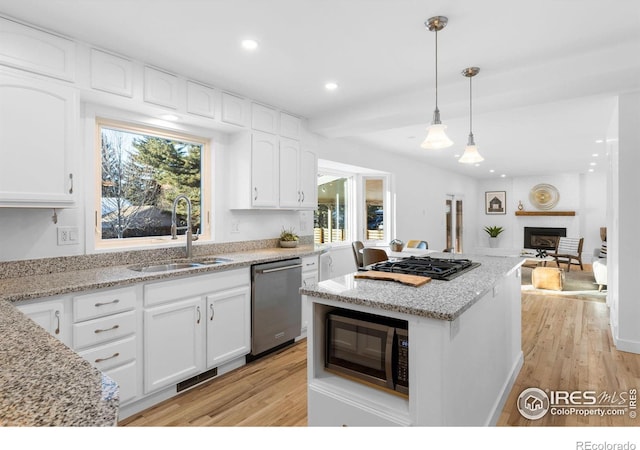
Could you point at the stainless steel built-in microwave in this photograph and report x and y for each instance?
(368, 348)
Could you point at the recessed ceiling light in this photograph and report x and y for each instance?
(599, 141)
(591, 170)
(503, 175)
(249, 44)
(491, 170)
(592, 164)
(331, 86)
(477, 165)
(595, 155)
(456, 156)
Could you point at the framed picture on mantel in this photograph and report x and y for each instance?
(495, 202)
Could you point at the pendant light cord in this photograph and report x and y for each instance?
(436, 70)
(470, 105)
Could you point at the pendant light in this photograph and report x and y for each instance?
(470, 155)
(436, 136)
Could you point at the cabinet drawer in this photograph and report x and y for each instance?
(310, 263)
(105, 329)
(100, 304)
(113, 354)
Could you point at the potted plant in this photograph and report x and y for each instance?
(288, 238)
(493, 233)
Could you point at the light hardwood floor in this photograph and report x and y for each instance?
(566, 342)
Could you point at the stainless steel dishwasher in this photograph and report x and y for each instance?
(275, 305)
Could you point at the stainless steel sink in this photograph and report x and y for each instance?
(178, 265)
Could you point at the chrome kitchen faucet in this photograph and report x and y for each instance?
(174, 228)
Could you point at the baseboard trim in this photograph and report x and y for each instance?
(506, 391)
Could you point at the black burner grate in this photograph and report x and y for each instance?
(435, 268)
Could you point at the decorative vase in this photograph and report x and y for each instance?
(520, 206)
(493, 242)
(288, 244)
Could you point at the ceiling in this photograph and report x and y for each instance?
(549, 70)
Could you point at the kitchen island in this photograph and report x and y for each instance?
(464, 348)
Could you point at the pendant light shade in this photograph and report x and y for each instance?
(436, 135)
(471, 154)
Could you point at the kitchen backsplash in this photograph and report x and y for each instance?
(13, 269)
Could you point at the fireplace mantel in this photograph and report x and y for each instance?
(545, 213)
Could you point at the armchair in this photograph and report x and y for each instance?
(567, 251)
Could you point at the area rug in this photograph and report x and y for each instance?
(578, 284)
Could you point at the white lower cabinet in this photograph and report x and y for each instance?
(173, 342)
(106, 333)
(50, 315)
(194, 324)
(310, 277)
(335, 411)
(228, 325)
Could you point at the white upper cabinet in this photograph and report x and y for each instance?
(298, 176)
(234, 110)
(290, 126)
(264, 118)
(160, 88)
(37, 135)
(264, 170)
(37, 51)
(201, 100)
(111, 73)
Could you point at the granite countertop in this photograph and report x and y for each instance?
(445, 300)
(45, 383)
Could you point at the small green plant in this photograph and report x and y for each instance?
(493, 231)
(288, 234)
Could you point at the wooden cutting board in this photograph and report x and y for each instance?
(410, 280)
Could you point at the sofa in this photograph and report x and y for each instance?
(599, 264)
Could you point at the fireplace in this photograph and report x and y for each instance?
(542, 237)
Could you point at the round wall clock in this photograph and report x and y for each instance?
(544, 196)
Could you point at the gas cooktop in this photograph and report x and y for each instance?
(426, 266)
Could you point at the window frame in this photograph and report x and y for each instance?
(206, 174)
(357, 219)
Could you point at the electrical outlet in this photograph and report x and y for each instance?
(235, 227)
(68, 235)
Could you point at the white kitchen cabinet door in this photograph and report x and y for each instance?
(264, 170)
(111, 73)
(50, 316)
(298, 176)
(308, 179)
(160, 88)
(201, 100)
(263, 118)
(290, 126)
(173, 342)
(234, 110)
(310, 277)
(37, 136)
(289, 173)
(228, 325)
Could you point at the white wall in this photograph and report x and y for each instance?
(625, 243)
(583, 193)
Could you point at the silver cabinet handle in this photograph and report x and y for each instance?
(115, 327)
(302, 197)
(115, 355)
(57, 314)
(199, 315)
(298, 196)
(212, 311)
(255, 190)
(71, 183)
(107, 303)
(311, 264)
